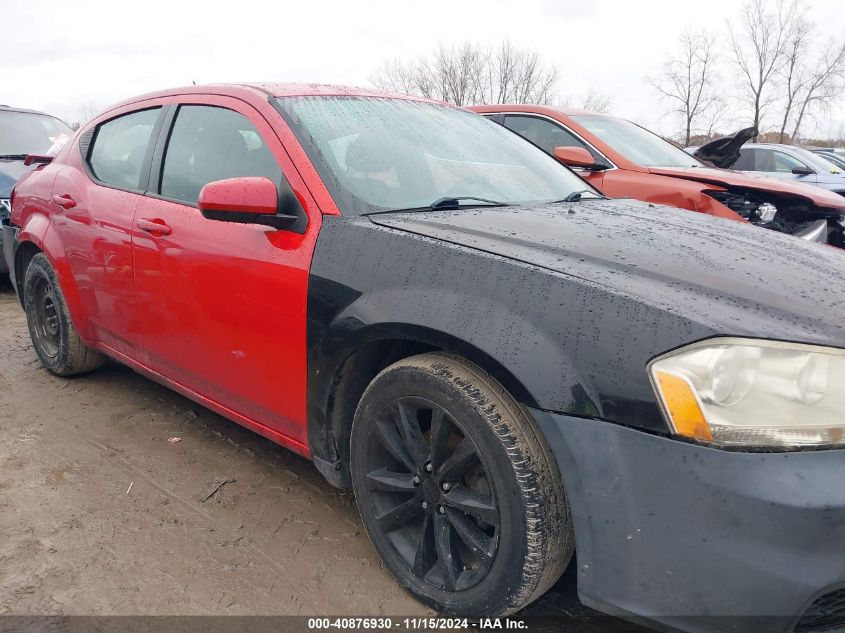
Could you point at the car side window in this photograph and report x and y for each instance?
(543, 133)
(209, 143)
(784, 163)
(774, 161)
(745, 162)
(117, 153)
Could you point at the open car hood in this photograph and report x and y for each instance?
(727, 178)
(724, 152)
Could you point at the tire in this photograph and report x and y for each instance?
(498, 534)
(54, 337)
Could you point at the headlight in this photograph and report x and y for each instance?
(747, 392)
(5, 209)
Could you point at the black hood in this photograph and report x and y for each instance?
(10, 173)
(724, 152)
(731, 276)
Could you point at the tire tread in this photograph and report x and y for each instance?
(76, 357)
(549, 539)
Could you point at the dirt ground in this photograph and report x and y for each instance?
(101, 514)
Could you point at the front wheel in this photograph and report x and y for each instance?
(54, 337)
(457, 490)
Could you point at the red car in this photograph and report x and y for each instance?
(624, 160)
(502, 363)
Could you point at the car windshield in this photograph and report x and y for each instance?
(835, 159)
(815, 161)
(380, 154)
(31, 133)
(636, 143)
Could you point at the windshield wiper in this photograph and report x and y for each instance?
(13, 156)
(448, 203)
(575, 196)
(451, 202)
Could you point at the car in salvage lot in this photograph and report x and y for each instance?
(834, 159)
(790, 163)
(24, 132)
(505, 366)
(624, 160)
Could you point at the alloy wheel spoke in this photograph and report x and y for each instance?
(389, 481)
(459, 462)
(390, 439)
(441, 431)
(401, 515)
(445, 557)
(411, 434)
(474, 504)
(476, 540)
(426, 555)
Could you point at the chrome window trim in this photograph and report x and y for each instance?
(556, 122)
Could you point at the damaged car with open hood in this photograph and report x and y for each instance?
(776, 160)
(624, 160)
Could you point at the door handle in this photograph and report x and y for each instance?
(156, 225)
(64, 201)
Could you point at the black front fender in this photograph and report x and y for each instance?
(563, 343)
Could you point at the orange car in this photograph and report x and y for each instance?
(624, 160)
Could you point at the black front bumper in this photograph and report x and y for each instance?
(8, 245)
(699, 539)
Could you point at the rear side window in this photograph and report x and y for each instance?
(117, 154)
(544, 134)
(745, 162)
(209, 143)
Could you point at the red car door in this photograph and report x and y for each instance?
(223, 305)
(94, 200)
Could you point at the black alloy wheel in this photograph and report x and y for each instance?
(432, 494)
(457, 489)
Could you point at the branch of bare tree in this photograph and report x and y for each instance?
(687, 80)
(469, 73)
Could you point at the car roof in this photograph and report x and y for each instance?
(6, 108)
(539, 109)
(264, 90)
(783, 146)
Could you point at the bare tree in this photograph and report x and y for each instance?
(514, 75)
(396, 75)
(469, 73)
(758, 46)
(597, 101)
(794, 71)
(822, 85)
(454, 73)
(687, 80)
(86, 112)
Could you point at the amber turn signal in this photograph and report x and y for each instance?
(682, 407)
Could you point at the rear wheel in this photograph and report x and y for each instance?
(53, 336)
(458, 492)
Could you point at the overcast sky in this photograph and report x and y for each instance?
(58, 55)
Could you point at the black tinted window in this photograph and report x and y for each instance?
(544, 134)
(119, 147)
(209, 143)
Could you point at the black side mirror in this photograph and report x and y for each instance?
(802, 171)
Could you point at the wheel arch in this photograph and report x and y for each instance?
(337, 384)
(38, 236)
